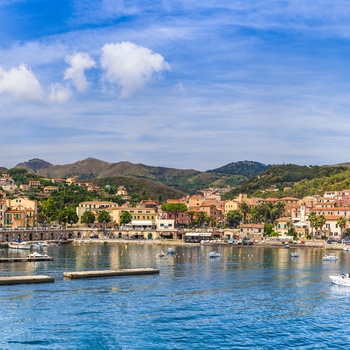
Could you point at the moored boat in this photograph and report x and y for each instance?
(37, 255)
(294, 255)
(161, 254)
(19, 245)
(341, 280)
(214, 255)
(330, 257)
(171, 250)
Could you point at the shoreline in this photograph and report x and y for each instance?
(167, 242)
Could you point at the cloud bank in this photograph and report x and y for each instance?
(126, 65)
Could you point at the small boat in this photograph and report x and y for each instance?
(341, 280)
(214, 255)
(346, 249)
(161, 254)
(294, 255)
(171, 250)
(19, 245)
(330, 257)
(36, 255)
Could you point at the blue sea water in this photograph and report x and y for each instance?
(249, 298)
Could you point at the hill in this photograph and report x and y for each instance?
(141, 188)
(245, 168)
(188, 180)
(34, 165)
(287, 175)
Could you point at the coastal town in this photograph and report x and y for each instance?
(193, 218)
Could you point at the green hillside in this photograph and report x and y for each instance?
(245, 168)
(297, 178)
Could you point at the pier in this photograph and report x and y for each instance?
(9, 280)
(26, 259)
(110, 273)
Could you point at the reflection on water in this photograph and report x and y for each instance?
(249, 297)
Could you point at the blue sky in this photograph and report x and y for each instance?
(181, 84)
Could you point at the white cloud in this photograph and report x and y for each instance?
(180, 88)
(130, 66)
(21, 83)
(59, 93)
(79, 63)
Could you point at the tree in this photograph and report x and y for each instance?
(175, 209)
(201, 219)
(88, 217)
(47, 209)
(312, 218)
(233, 218)
(68, 215)
(103, 216)
(125, 218)
(245, 209)
(268, 229)
(191, 215)
(341, 223)
(290, 227)
(320, 221)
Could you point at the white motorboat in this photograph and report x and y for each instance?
(294, 255)
(171, 250)
(346, 249)
(341, 280)
(214, 255)
(39, 256)
(330, 257)
(161, 254)
(19, 245)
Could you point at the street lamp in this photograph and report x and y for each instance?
(71, 223)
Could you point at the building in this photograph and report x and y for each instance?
(252, 230)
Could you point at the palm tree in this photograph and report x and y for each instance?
(341, 223)
(245, 209)
(312, 218)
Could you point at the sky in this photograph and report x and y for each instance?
(180, 84)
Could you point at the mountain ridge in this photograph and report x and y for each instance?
(188, 180)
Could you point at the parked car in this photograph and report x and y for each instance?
(331, 241)
(94, 236)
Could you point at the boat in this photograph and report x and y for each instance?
(341, 280)
(330, 257)
(346, 249)
(161, 254)
(214, 255)
(37, 255)
(19, 245)
(171, 250)
(294, 255)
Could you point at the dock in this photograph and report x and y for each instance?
(9, 280)
(25, 259)
(110, 273)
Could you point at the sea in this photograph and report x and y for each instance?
(247, 298)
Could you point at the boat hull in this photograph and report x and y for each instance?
(19, 246)
(340, 280)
